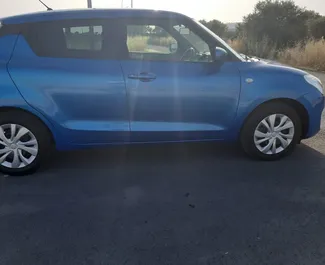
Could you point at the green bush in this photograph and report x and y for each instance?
(317, 28)
(282, 22)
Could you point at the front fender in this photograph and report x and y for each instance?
(262, 83)
(314, 104)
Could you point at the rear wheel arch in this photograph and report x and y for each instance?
(32, 115)
(297, 106)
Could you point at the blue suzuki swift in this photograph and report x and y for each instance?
(85, 78)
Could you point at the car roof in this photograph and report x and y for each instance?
(87, 13)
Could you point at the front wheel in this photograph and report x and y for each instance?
(271, 132)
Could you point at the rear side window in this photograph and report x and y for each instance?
(72, 39)
(83, 38)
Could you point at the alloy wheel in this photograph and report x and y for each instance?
(18, 146)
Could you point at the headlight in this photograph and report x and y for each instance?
(315, 82)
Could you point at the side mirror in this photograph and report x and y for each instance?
(220, 54)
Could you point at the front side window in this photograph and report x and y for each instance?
(221, 42)
(143, 40)
(165, 41)
(193, 39)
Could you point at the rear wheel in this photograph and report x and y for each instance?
(271, 132)
(24, 143)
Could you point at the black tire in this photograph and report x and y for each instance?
(248, 129)
(39, 130)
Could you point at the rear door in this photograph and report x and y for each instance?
(63, 70)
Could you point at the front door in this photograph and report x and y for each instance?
(175, 90)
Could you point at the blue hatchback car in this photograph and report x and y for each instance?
(86, 78)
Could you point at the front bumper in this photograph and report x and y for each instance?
(314, 104)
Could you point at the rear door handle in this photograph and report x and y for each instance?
(144, 77)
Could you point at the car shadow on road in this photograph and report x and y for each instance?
(188, 165)
(210, 158)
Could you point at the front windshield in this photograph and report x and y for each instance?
(219, 40)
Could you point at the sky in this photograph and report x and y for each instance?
(225, 11)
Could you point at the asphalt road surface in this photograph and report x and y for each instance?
(167, 204)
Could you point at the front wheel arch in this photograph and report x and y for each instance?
(297, 106)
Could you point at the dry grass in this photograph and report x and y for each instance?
(137, 43)
(251, 47)
(238, 45)
(161, 41)
(309, 55)
(140, 43)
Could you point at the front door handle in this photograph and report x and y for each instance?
(144, 76)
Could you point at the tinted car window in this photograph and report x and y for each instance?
(74, 39)
(83, 37)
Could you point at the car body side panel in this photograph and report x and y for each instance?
(262, 82)
(85, 99)
(7, 44)
(10, 97)
(186, 101)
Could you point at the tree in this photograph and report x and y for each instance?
(240, 31)
(317, 28)
(216, 26)
(282, 22)
(149, 30)
(159, 32)
(137, 30)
